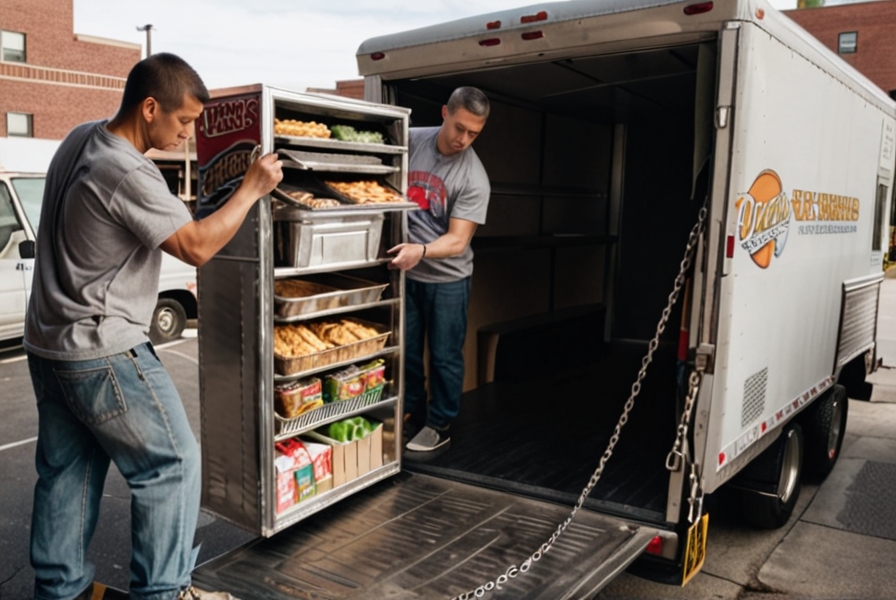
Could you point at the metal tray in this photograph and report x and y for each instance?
(402, 203)
(289, 427)
(344, 291)
(291, 365)
(335, 163)
(281, 192)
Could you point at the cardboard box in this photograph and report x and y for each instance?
(354, 459)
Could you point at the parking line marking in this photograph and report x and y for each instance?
(14, 444)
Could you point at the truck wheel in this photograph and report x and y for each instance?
(824, 424)
(168, 321)
(770, 485)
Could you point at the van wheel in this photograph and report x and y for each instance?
(824, 424)
(770, 485)
(168, 321)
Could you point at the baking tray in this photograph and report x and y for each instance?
(281, 192)
(291, 365)
(403, 203)
(329, 291)
(334, 163)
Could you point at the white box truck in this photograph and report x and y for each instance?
(675, 293)
(21, 194)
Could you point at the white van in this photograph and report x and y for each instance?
(20, 201)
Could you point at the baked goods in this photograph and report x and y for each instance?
(308, 199)
(297, 288)
(302, 339)
(365, 192)
(301, 128)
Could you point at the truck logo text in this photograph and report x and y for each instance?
(227, 117)
(763, 219)
(764, 216)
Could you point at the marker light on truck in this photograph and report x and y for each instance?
(490, 42)
(698, 9)
(539, 16)
(655, 546)
(377, 56)
(493, 25)
(729, 250)
(533, 35)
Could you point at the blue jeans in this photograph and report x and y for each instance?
(437, 313)
(122, 408)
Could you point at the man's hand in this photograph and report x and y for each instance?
(198, 241)
(406, 256)
(263, 175)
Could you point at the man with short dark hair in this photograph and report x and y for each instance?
(102, 393)
(448, 182)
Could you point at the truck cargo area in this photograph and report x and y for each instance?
(592, 164)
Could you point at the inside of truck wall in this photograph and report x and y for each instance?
(591, 163)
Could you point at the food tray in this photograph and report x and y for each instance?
(337, 163)
(330, 291)
(288, 427)
(281, 192)
(401, 202)
(291, 365)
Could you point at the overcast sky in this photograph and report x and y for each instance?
(291, 44)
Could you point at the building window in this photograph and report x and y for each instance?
(19, 124)
(12, 46)
(848, 42)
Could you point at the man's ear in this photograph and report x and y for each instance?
(149, 109)
(444, 111)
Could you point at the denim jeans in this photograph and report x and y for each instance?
(435, 313)
(122, 408)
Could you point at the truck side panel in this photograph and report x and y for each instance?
(802, 207)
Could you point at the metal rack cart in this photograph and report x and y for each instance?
(340, 245)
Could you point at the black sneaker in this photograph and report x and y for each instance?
(429, 439)
(192, 593)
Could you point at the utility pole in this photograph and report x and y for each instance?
(148, 29)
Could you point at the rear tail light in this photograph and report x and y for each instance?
(698, 9)
(655, 546)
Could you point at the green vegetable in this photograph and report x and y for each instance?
(347, 133)
(350, 430)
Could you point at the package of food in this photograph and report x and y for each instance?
(293, 462)
(373, 374)
(321, 459)
(298, 397)
(343, 385)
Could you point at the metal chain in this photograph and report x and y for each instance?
(514, 570)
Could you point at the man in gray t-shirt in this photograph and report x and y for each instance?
(102, 394)
(450, 185)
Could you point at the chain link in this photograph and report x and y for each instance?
(514, 570)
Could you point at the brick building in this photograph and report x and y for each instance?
(51, 79)
(863, 34)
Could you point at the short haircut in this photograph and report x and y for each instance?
(165, 77)
(470, 99)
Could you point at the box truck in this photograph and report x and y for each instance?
(674, 295)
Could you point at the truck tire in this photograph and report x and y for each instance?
(168, 321)
(769, 487)
(824, 425)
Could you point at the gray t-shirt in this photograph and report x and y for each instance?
(96, 279)
(444, 187)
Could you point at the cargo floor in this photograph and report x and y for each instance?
(419, 537)
(544, 437)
